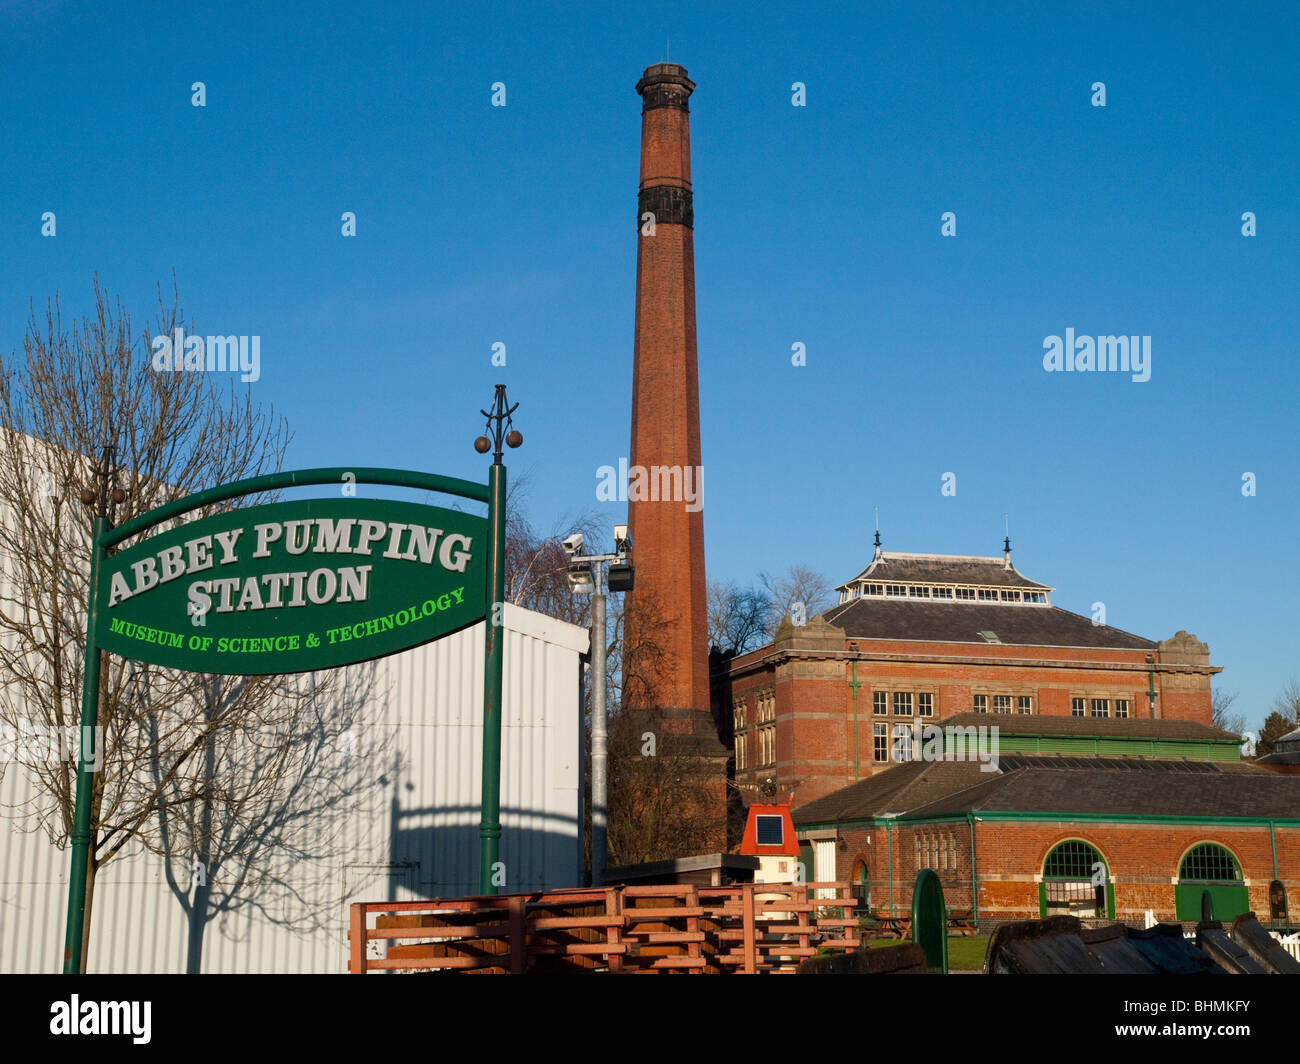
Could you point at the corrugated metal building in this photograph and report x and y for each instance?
(413, 834)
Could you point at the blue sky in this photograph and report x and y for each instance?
(817, 224)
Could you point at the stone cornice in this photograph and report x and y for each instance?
(783, 655)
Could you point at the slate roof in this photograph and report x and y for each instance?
(1102, 791)
(1091, 727)
(1066, 783)
(944, 569)
(961, 622)
(1287, 745)
(894, 790)
(1280, 759)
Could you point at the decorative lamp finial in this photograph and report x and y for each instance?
(494, 433)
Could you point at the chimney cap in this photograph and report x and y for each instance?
(665, 74)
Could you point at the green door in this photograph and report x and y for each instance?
(1210, 867)
(1229, 900)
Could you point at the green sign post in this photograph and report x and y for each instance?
(489, 829)
(298, 586)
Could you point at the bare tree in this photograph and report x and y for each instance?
(1221, 715)
(740, 619)
(537, 565)
(663, 797)
(667, 784)
(800, 593)
(637, 654)
(1287, 704)
(169, 740)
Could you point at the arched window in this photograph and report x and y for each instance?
(1210, 863)
(1075, 882)
(1208, 868)
(1073, 859)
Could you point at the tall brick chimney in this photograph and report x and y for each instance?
(667, 533)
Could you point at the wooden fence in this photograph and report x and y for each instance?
(749, 928)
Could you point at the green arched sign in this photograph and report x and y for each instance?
(294, 586)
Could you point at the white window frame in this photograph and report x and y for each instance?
(900, 741)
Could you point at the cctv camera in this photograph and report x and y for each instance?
(573, 544)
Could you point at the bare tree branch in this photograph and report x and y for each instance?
(226, 770)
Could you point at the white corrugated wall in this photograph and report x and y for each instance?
(414, 836)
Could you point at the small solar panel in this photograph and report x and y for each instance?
(771, 830)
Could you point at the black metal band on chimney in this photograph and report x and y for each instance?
(665, 96)
(670, 204)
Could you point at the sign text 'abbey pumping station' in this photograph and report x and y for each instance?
(294, 586)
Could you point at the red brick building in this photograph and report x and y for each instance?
(944, 714)
(1077, 827)
(925, 637)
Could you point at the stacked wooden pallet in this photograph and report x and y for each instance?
(668, 928)
(772, 927)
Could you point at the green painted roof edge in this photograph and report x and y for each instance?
(982, 814)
